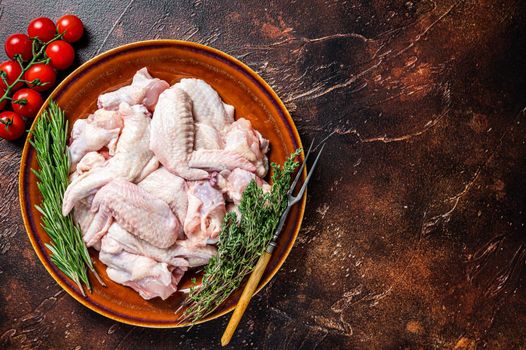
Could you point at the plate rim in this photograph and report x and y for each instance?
(42, 253)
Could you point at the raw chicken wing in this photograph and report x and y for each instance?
(89, 161)
(131, 155)
(238, 180)
(181, 254)
(136, 210)
(172, 133)
(208, 107)
(218, 160)
(82, 215)
(170, 188)
(148, 277)
(91, 134)
(149, 168)
(207, 137)
(206, 209)
(143, 90)
(242, 139)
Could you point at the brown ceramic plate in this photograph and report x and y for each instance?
(170, 60)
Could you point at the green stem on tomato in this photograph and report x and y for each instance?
(6, 122)
(24, 81)
(4, 78)
(44, 61)
(34, 47)
(34, 60)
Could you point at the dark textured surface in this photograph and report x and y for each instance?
(414, 233)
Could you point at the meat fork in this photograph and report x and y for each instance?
(262, 263)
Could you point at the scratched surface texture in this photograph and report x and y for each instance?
(414, 233)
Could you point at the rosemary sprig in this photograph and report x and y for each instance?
(69, 253)
(241, 243)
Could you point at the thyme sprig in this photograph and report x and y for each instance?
(241, 243)
(69, 253)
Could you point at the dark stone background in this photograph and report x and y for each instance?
(414, 232)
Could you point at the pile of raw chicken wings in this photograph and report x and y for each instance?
(153, 172)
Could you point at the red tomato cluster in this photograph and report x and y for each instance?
(38, 76)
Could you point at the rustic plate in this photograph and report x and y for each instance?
(170, 60)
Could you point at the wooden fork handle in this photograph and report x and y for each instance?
(247, 294)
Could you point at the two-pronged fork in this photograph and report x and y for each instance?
(262, 263)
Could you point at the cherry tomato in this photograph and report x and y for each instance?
(2, 104)
(26, 102)
(12, 125)
(44, 73)
(42, 28)
(61, 54)
(19, 44)
(71, 26)
(12, 71)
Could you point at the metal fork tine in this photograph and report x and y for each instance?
(300, 170)
(311, 171)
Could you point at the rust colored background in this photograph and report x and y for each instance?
(414, 234)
